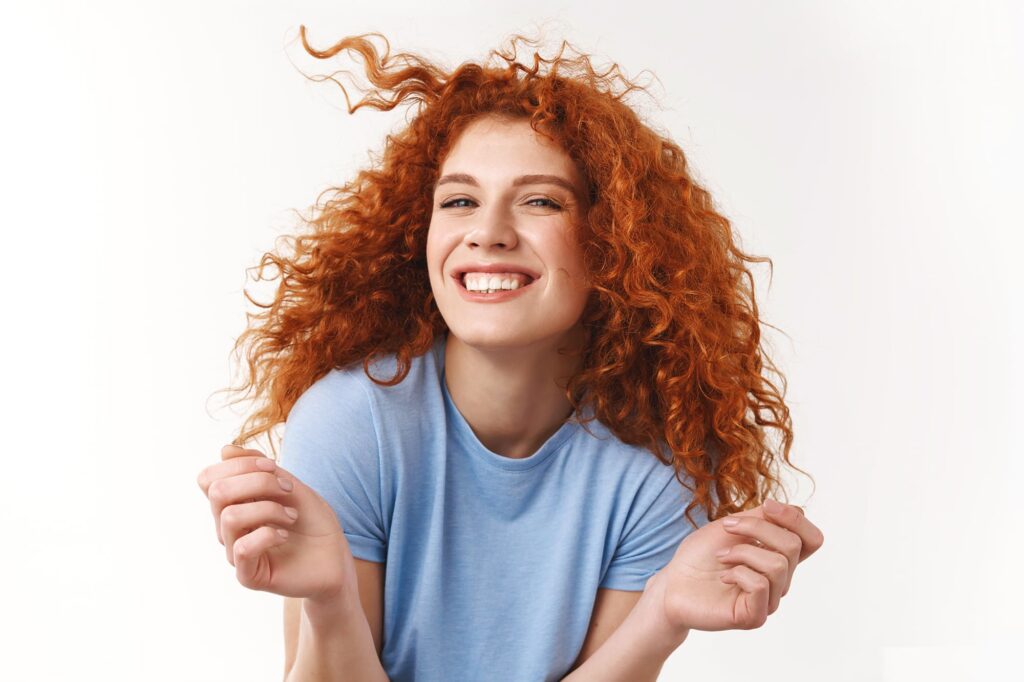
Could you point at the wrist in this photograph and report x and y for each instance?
(338, 611)
(655, 607)
(637, 649)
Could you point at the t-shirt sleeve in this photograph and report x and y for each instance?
(652, 532)
(330, 444)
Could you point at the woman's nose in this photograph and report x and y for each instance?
(495, 227)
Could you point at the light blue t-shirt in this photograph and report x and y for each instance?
(492, 563)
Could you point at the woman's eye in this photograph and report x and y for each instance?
(549, 202)
(454, 203)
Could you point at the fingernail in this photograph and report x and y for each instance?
(772, 506)
(292, 512)
(285, 483)
(730, 522)
(722, 552)
(265, 464)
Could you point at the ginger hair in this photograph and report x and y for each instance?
(674, 361)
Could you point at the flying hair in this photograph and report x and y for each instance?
(674, 360)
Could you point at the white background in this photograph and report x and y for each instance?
(151, 152)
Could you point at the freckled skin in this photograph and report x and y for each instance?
(506, 361)
(497, 222)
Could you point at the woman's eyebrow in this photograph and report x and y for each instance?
(534, 179)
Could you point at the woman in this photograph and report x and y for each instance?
(514, 357)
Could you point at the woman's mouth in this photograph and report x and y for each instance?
(492, 286)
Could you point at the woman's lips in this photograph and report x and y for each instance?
(496, 297)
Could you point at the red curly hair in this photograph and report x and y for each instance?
(673, 358)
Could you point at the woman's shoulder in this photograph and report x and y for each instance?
(629, 463)
(596, 435)
(351, 419)
(339, 386)
(366, 382)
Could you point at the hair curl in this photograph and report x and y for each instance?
(674, 357)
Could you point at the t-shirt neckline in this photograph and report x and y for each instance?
(464, 434)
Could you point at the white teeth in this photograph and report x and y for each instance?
(482, 282)
(491, 285)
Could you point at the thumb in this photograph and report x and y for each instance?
(751, 608)
(230, 451)
(252, 564)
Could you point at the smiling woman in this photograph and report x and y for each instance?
(519, 404)
(517, 225)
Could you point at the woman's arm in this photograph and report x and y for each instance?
(696, 590)
(371, 594)
(636, 651)
(335, 643)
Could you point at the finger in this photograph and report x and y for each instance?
(769, 533)
(233, 467)
(252, 565)
(773, 537)
(793, 518)
(231, 451)
(751, 608)
(240, 519)
(249, 487)
(772, 565)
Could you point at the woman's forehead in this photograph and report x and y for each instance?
(492, 148)
(503, 132)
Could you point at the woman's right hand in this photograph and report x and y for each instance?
(310, 560)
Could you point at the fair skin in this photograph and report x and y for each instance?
(722, 577)
(303, 556)
(502, 365)
(505, 195)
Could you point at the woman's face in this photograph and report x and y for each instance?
(505, 201)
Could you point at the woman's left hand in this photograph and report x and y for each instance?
(699, 590)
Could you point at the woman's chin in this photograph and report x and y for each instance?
(489, 339)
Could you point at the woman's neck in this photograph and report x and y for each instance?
(508, 396)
